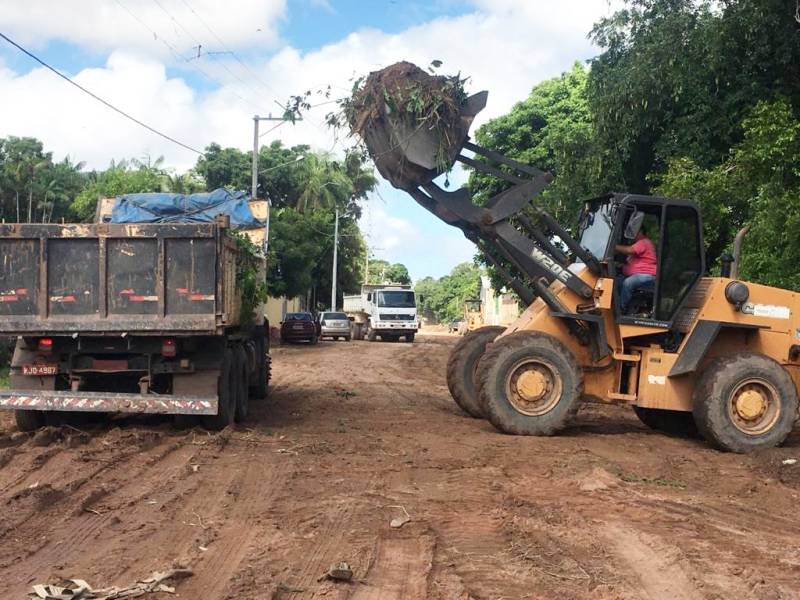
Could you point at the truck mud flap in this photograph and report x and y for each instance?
(107, 402)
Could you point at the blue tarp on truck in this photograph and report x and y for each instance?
(180, 208)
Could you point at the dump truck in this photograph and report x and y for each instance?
(138, 317)
(717, 354)
(388, 312)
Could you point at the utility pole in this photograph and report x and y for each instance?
(254, 182)
(335, 257)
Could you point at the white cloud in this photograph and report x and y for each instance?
(505, 46)
(107, 25)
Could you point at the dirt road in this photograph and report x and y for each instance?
(356, 435)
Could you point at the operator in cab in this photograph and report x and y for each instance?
(639, 270)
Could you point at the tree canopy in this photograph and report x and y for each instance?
(687, 98)
(443, 298)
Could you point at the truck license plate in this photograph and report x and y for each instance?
(40, 369)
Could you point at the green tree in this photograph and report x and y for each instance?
(382, 271)
(758, 184)
(120, 178)
(677, 77)
(443, 298)
(224, 167)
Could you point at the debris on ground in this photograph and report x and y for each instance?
(398, 522)
(789, 461)
(339, 572)
(81, 590)
(598, 479)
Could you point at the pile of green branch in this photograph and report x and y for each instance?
(249, 280)
(393, 105)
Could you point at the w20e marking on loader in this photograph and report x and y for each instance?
(710, 352)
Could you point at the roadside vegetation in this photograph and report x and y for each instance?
(688, 99)
(443, 298)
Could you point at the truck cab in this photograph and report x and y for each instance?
(388, 312)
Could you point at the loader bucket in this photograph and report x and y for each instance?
(408, 154)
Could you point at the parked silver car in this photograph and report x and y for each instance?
(334, 325)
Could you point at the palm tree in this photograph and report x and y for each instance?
(324, 184)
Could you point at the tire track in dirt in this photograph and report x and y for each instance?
(253, 490)
(654, 564)
(80, 533)
(399, 570)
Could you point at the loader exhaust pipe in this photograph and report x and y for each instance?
(737, 251)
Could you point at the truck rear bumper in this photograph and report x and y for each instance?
(107, 402)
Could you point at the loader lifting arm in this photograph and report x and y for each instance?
(526, 246)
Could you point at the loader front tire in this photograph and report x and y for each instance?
(529, 384)
(461, 368)
(745, 402)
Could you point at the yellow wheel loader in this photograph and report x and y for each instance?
(473, 315)
(714, 353)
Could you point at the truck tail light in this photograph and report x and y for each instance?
(169, 349)
(46, 345)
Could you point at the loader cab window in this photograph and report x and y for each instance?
(681, 259)
(596, 225)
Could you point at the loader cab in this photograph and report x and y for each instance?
(674, 227)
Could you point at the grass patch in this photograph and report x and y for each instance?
(4, 377)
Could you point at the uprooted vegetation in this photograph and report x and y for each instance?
(391, 106)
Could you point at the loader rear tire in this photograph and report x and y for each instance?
(671, 422)
(529, 384)
(745, 402)
(29, 420)
(226, 396)
(461, 368)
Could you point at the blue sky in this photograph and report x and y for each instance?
(134, 53)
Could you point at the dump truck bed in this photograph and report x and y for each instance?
(99, 279)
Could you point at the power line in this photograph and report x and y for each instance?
(178, 55)
(199, 43)
(96, 97)
(235, 56)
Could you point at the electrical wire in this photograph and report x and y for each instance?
(235, 56)
(191, 35)
(178, 55)
(98, 98)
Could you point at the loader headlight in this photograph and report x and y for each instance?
(737, 293)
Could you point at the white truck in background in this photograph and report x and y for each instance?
(387, 311)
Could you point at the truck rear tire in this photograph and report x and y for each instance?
(530, 384)
(242, 389)
(745, 402)
(226, 391)
(259, 389)
(461, 368)
(29, 420)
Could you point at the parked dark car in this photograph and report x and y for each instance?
(299, 327)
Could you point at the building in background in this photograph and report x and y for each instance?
(498, 308)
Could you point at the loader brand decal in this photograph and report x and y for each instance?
(556, 269)
(767, 310)
(657, 379)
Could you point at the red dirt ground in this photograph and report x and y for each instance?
(353, 435)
